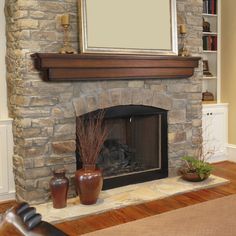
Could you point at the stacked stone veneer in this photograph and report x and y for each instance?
(44, 112)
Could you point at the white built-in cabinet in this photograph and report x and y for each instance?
(214, 113)
(7, 189)
(215, 131)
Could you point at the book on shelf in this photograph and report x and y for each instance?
(209, 42)
(210, 6)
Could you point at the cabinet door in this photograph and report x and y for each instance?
(214, 130)
(3, 160)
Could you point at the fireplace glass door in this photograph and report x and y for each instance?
(136, 148)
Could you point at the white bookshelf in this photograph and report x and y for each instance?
(212, 55)
(214, 113)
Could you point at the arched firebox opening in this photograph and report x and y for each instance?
(136, 148)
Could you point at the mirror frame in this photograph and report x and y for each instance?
(85, 48)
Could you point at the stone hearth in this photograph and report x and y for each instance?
(44, 113)
(126, 196)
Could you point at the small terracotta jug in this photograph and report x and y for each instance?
(88, 184)
(59, 185)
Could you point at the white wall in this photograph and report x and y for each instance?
(7, 188)
(3, 90)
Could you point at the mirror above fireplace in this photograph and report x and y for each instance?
(128, 26)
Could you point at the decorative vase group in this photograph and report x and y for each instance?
(59, 185)
(88, 182)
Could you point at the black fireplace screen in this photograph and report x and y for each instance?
(136, 148)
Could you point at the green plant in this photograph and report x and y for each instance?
(199, 166)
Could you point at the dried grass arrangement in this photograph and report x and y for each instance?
(91, 135)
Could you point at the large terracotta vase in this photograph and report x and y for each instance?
(59, 185)
(88, 182)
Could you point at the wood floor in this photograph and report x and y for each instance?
(115, 217)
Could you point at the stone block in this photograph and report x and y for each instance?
(115, 97)
(44, 35)
(137, 96)
(160, 88)
(42, 122)
(196, 122)
(39, 162)
(64, 147)
(56, 7)
(91, 102)
(32, 112)
(23, 123)
(32, 4)
(29, 132)
(35, 151)
(79, 106)
(64, 129)
(176, 116)
(57, 112)
(162, 101)
(54, 161)
(43, 183)
(25, 24)
(37, 15)
(176, 137)
(126, 97)
(70, 159)
(104, 99)
(34, 196)
(20, 100)
(36, 173)
(136, 84)
(147, 96)
(43, 101)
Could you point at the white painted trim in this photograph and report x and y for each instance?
(219, 51)
(7, 186)
(232, 152)
(218, 158)
(3, 86)
(7, 196)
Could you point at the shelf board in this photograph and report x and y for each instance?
(210, 51)
(209, 102)
(209, 33)
(66, 67)
(209, 15)
(209, 77)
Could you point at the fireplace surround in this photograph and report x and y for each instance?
(44, 112)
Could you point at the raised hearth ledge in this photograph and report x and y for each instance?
(72, 67)
(125, 196)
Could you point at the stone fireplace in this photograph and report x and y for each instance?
(44, 113)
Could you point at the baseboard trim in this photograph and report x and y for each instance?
(232, 152)
(218, 158)
(7, 196)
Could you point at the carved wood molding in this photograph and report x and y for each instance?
(72, 67)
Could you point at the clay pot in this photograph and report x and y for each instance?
(59, 185)
(88, 181)
(193, 176)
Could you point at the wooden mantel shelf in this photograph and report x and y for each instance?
(71, 67)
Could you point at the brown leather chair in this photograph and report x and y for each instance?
(22, 220)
